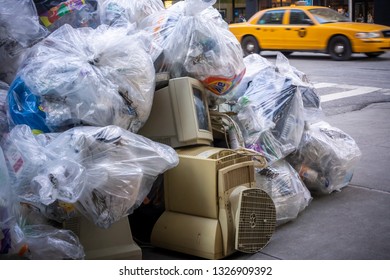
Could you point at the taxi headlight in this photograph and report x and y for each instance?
(367, 35)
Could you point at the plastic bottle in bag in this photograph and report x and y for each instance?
(312, 177)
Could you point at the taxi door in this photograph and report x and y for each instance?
(270, 29)
(300, 31)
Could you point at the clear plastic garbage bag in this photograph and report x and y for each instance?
(5, 192)
(11, 236)
(49, 243)
(19, 239)
(326, 158)
(84, 76)
(105, 172)
(191, 41)
(125, 12)
(62, 180)
(42, 242)
(11, 57)
(254, 63)
(77, 13)
(35, 177)
(19, 29)
(270, 114)
(200, 7)
(24, 156)
(19, 22)
(311, 100)
(284, 186)
(121, 168)
(7, 218)
(4, 126)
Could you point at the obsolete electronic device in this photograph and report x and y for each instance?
(212, 208)
(113, 243)
(179, 116)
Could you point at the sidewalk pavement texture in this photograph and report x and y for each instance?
(353, 224)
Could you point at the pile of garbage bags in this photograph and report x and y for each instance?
(279, 115)
(84, 76)
(77, 82)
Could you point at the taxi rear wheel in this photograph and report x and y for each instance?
(250, 45)
(340, 48)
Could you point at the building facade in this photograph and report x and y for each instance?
(371, 11)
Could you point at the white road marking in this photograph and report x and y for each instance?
(347, 86)
(324, 85)
(353, 91)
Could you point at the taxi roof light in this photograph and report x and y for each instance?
(299, 3)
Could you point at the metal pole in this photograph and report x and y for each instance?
(350, 9)
(233, 8)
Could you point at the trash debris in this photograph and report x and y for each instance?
(84, 76)
(326, 158)
(105, 172)
(191, 41)
(284, 186)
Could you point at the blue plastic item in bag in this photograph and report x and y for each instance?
(25, 107)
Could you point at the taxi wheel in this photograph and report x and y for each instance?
(250, 45)
(340, 48)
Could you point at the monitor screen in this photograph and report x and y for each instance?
(201, 110)
(179, 116)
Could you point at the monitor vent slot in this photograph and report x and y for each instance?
(237, 177)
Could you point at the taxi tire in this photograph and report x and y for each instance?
(342, 41)
(250, 40)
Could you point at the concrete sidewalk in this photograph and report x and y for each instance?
(353, 224)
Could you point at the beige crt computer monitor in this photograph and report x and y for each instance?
(179, 116)
(113, 243)
(212, 205)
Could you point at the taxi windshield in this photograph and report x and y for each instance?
(326, 15)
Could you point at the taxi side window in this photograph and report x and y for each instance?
(272, 17)
(298, 17)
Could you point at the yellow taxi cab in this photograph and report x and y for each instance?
(310, 29)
